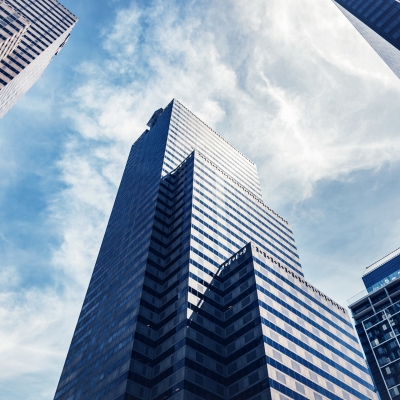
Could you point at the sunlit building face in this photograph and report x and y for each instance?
(31, 34)
(378, 21)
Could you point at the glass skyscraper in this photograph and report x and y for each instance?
(378, 21)
(376, 313)
(198, 291)
(31, 33)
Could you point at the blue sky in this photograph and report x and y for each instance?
(291, 84)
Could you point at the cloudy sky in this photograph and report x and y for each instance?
(291, 84)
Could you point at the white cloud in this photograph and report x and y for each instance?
(36, 325)
(289, 83)
(294, 77)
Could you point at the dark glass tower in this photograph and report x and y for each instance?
(377, 315)
(378, 21)
(198, 292)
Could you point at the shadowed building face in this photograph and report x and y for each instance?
(198, 291)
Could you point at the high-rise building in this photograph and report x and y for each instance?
(31, 33)
(378, 21)
(376, 312)
(198, 292)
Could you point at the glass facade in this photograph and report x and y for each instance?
(382, 272)
(31, 33)
(377, 318)
(378, 21)
(198, 291)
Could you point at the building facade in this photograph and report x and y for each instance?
(198, 291)
(31, 34)
(378, 21)
(376, 312)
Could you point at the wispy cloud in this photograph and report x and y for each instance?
(288, 83)
(292, 77)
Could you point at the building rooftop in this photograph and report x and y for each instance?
(382, 261)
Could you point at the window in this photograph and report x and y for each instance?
(280, 377)
(300, 388)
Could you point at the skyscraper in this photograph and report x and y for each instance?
(376, 313)
(31, 33)
(378, 21)
(198, 291)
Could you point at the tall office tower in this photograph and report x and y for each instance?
(31, 33)
(198, 292)
(376, 312)
(378, 21)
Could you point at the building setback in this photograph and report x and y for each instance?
(376, 313)
(31, 33)
(198, 291)
(378, 21)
